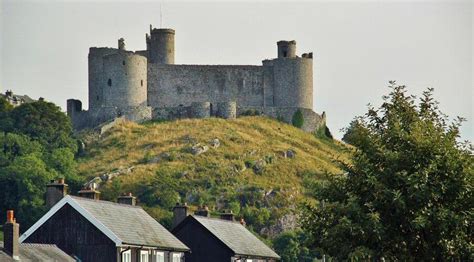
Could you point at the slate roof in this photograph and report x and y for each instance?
(123, 224)
(235, 236)
(131, 224)
(37, 252)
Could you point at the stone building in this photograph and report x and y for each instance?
(16, 100)
(147, 84)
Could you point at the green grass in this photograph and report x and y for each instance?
(214, 178)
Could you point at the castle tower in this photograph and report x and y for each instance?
(160, 45)
(96, 81)
(286, 49)
(292, 77)
(125, 80)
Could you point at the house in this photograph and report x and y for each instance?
(12, 250)
(94, 230)
(16, 100)
(218, 240)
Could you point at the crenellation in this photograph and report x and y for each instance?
(147, 84)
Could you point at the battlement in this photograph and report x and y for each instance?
(162, 31)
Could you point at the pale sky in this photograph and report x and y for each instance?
(358, 46)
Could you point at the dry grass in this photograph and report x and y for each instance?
(245, 139)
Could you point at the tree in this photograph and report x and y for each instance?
(36, 145)
(45, 123)
(298, 119)
(291, 247)
(406, 194)
(5, 109)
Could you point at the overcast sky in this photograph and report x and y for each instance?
(358, 46)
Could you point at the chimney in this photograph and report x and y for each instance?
(55, 191)
(180, 212)
(228, 216)
(127, 199)
(90, 192)
(11, 233)
(203, 211)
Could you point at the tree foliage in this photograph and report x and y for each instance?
(407, 193)
(291, 247)
(36, 145)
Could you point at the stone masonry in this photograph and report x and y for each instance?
(146, 84)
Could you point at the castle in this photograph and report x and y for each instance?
(147, 84)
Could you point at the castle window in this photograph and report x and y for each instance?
(109, 82)
(141, 82)
(284, 53)
(97, 98)
(123, 62)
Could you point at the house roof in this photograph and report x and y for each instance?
(235, 236)
(123, 224)
(37, 252)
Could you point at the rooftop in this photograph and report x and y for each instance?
(235, 236)
(37, 252)
(123, 224)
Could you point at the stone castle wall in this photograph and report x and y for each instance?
(174, 85)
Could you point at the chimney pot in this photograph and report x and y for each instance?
(10, 216)
(11, 234)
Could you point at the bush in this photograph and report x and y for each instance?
(298, 119)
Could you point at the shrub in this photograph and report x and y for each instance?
(298, 119)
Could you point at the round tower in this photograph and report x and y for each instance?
(125, 80)
(286, 49)
(160, 45)
(293, 82)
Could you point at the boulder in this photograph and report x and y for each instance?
(215, 143)
(199, 149)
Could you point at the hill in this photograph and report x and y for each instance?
(255, 166)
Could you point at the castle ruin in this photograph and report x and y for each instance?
(147, 84)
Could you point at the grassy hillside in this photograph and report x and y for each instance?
(247, 173)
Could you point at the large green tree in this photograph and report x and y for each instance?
(36, 145)
(406, 195)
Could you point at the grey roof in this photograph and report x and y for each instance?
(238, 238)
(37, 252)
(131, 224)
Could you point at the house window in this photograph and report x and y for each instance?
(109, 82)
(143, 256)
(176, 257)
(127, 256)
(160, 257)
